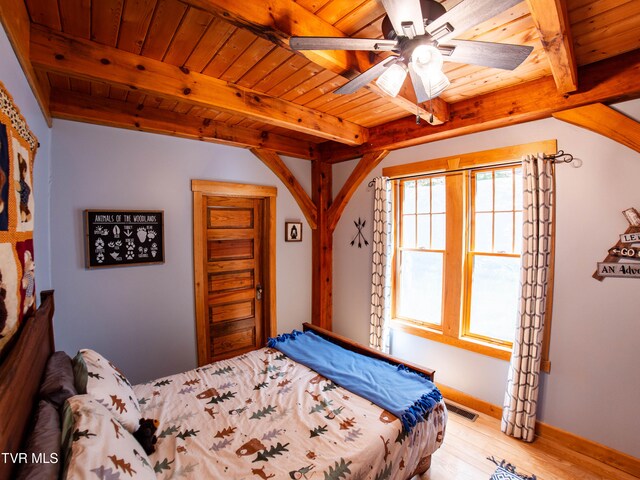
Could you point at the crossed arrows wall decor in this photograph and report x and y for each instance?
(359, 236)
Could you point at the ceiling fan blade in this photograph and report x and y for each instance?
(405, 11)
(418, 85)
(466, 15)
(367, 76)
(341, 43)
(487, 54)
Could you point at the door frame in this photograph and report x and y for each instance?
(202, 189)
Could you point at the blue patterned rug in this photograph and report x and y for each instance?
(507, 471)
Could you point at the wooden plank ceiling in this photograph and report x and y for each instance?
(222, 71)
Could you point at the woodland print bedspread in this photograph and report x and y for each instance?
(262, 415)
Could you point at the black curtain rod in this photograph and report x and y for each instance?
(559, 157)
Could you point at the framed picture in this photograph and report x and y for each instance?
(293, 231)
(116, 238)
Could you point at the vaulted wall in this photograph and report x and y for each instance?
(143, 316)
(593, 354)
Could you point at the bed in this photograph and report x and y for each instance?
(20, 374)
(259, 415)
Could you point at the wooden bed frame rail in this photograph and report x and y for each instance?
(20, 377)
(366, 351)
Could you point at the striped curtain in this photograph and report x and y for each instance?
(381, 269)
(521, 396)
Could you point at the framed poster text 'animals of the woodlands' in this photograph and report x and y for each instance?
(123, 237)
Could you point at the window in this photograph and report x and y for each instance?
(456, 266)
(493, 254)
(421, 250)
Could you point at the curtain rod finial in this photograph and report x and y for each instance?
(562, 157)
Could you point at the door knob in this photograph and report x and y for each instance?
(259, 291)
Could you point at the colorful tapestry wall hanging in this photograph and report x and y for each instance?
(18, 147)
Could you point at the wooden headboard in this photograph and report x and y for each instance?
(20, 377)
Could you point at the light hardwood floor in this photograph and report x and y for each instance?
(463, 456)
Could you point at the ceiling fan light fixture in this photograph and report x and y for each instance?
(435, 83)
(390, 82)
(426, 59)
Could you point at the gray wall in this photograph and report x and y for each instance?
(15, 82)
(142, 317)
(594, 385)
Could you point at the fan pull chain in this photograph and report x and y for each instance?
(431, 111)
(430, 102)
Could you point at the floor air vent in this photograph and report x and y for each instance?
(461, 411)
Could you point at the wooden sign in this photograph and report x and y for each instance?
(633, 217)
(625, 252)
(627, 270)
(630, 238)
(627, 248)
(123, 237)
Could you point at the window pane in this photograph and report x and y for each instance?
(439, 234)
(494, 296)
(424, 192)
(409, 199)
(484, 192)
(438, 195)
(483, 232)
(424, 229)
(504, 190)
(518, 234)
(421, 286)
(503, 241)
(518, 180)
(409, 231)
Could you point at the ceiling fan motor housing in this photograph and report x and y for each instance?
(431, 10)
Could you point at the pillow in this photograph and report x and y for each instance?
(96, 445)
(58, 383)
(97, 376)
(43, 446)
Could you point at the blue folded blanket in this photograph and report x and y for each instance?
(406, 394)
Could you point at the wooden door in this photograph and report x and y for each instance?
(234, 275)
(234, 264)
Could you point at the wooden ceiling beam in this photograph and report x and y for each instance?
(606, 121)
(272, 160)
(362, 169)
(115, 113)
(277, 20)
(552, 22)
(81, 58)
(322, 247)
(17, 24)
(607, 81)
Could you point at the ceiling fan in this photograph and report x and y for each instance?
(421, 34)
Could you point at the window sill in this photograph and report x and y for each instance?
(484, 348)
(496, 351)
